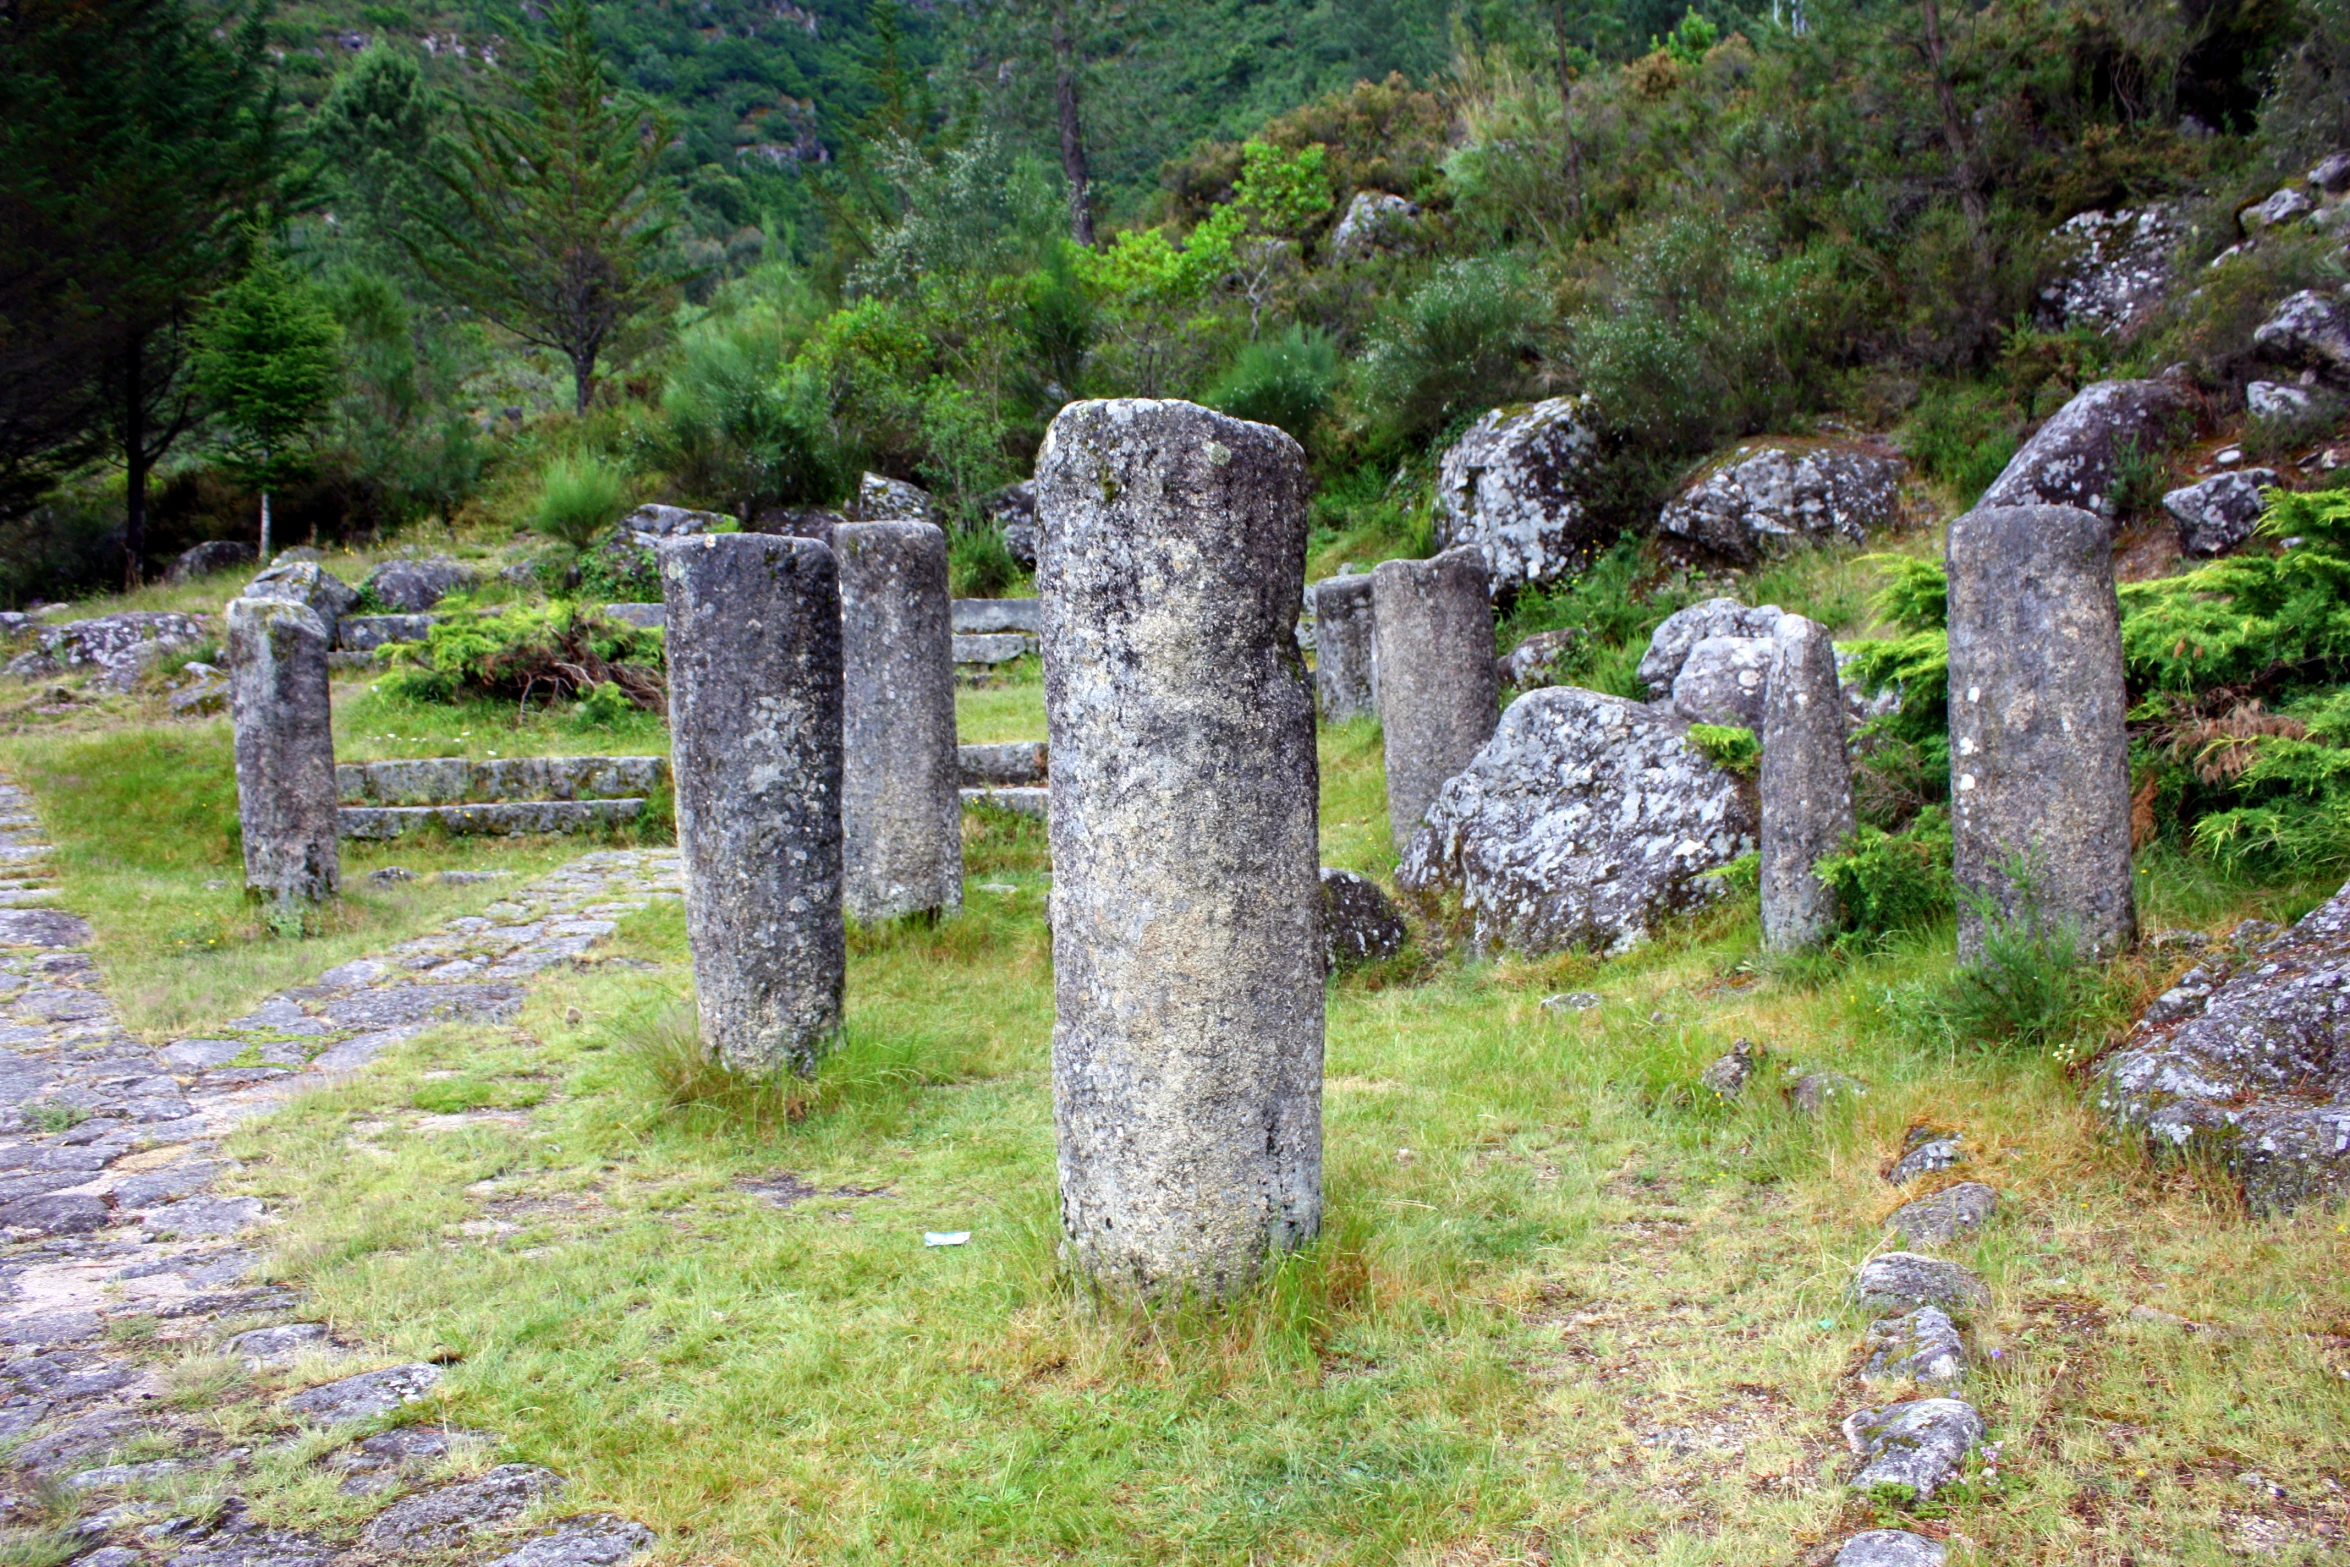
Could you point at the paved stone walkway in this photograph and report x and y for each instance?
(109, 1151)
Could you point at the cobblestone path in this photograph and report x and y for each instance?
(109, 1151)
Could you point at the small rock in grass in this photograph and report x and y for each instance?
(1914, 1447)
(1891, 1548)
(1899, 1280)
(1945, 1215)
(2178, 941)
(382, 1461)
(56, 1213)
(1925, 1150)
(391, 874)
(589, 1540)
(471, 878)
(265, 1345)
(1359, 921)
(1728, 1076)
(366, 1395)
(1571, 1001)
(1813, 1092)
(1919, 1346)
(450, 1515)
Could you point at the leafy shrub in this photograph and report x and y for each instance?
(1285, 380)
(1617, 603)
(579, 498)
(978, 563)
(2251, 617)
(602, 705)
(1904, 756)
(622, 571)
(2030, 987)
(1891, 882)
(553, 651)
(1963, 436)
(750, 429)
(1458, 344)
(1728, 746)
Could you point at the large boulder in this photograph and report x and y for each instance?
(1724, 681)
(1670, 645)
(210, 558)
(1586, 821)
(117, 648)
(882, 499)
(1766, 497)
(2278, 400)
(2250, 1065)
(2116, 267)
(412, 586)
(2221, 512)
(307, 583)
(2310, 330)
(2074, 459)
(1375, 220)
(1517, 486)
(1359, 921)
(1013, 510)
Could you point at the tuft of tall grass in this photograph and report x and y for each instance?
(579, 497)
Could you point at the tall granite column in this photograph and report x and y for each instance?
(2039, 760)
(1805, 787)
(286, 797)
(1439, 697)
(755, 736)
(1342, 647)
(1186, 902)
(901, 781)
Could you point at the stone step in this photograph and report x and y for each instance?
(458, 780)
(366, 633)
(974, 616)
(991, 648)
(1010, 764)
(506, 818)
(1027, 802)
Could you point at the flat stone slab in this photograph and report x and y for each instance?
(972, 617)
(267, 1346)
(365, 1396)
(1891, 1548)
(993, 648)
(1901, 1280)
(508, 819)
(1912, 1449)
(451, 1515)
(458, 780)
(1921, 1346)
(589, 1540)
(1009, 764)
(400, 1006)
(50, 928)
(1025, 802)
(1943, 1217)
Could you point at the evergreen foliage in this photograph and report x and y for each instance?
(267, 359)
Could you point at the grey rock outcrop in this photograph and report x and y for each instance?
(901, 806)
(2116, 269)
(2220, 513)
(1005, 764)
(1359, 921)
(366, 633)
(1374, 221)
(1670, 645)
(366, 1396)
(1724, 680)
(1187, 900)
(285, 751)
(1432, 641)
(658, 522)
(1586, 821)
(2309, 330)
(452, 1515)
(210, 558)
(2039, 757)
(755, 739)
(2277, 400)
(1891, 1548)
(980, 617)
(1764, 498)
(2251, 1068)
(309, 584)
(1946, 1215)
(1013, 511)
(412, 586)
(1896, 1281)
(2074, 458)
(1343, 622)
(1539, 659)
(1805, 787)
(882, 499)
(2280, 207)
(116, 649)
(1917, 1346)
(1517, 486)
(1913, 1449)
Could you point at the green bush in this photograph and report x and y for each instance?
(1728, 746)
(2031, 986)
(1963, 435)
(1892, 882)
(620, 571)
(751, 430)
(1285, 380)
(551, 651)
(1455, 346)
(1617, 602)
(978, 564)
(579, 498)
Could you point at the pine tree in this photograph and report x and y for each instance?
(266, 360)
(556, 211)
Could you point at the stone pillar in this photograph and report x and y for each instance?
(286, 797)
(1342, 647)
(1439, 696)
(901, 806)
(2039, 760)
(755, 735)
(1806, 785)
(1187, 893)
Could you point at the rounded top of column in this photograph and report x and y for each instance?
(896, 535)
(271, 613)
(1461, 560)
(1996, 536)
(1171, 428)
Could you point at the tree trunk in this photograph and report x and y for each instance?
(264, 527)
(1073, 164)
(583, 380)
(134, 461)
(1962, 152)
(1574, 169)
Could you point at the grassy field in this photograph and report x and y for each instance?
(1568, 1307)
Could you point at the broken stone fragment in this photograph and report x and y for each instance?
(1918, 1346)
(1913, 1449)
(1945, 1215)
(1896, 1281)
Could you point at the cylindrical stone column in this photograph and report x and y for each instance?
(2039, 758)
(755, 740)
(901, 807)
(1439, 696)
(285, 742)
(1187, 891)
(1342, 647)
(1806, 785)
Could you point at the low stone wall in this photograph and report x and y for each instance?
(509, 818)
(458, 780)
(1012, 764)
(1026, 802)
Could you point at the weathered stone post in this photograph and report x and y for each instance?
(2039, 760)
(1342, 647)
(901, 786)
(1806, 784)
(285, 742)
(755, 736)
(1439, 696)
(1187, 892)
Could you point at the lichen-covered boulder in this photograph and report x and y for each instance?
(1013, 511)
(2284, 205)
(1517, 486)
(210, 557)
(881, 499)
(2221, 512)
(2310, 330)
(1723, 681)
(410, 587)
(2074, 459)
(1374, 220)
(117, 648)
(1670, 644)
(307, 583)
(1359, 921)
(2251, 1066)
(1586, 821)
(675, 522)
(2117, 266)
(1764, 498)
(2277, 400)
